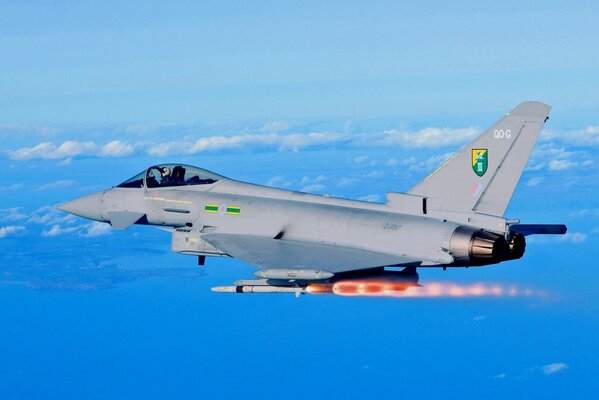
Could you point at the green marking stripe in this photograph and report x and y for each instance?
(211, 208)
(215, 208)
(234, 210)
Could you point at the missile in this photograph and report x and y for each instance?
(260, 289)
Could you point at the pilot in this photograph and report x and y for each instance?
(151, 181)
(178, 175)
(165, 174)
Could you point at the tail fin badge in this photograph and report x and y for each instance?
(480, 161)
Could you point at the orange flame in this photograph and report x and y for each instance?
(433, 289)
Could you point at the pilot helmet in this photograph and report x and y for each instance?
(166, 171)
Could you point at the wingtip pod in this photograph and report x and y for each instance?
(531, 109)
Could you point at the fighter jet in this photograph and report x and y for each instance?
(306, 243)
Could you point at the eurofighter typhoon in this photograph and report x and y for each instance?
(305, 243)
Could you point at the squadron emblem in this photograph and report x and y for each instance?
(480, 161)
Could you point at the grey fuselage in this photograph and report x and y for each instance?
(399, 228)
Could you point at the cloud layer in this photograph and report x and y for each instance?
(271, 137)
(553, 368)
(553, 153)
(11, 230)
(71, 148)
(52, 223)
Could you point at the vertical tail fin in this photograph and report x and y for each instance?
(483, 175)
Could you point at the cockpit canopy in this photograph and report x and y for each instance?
(169, 175)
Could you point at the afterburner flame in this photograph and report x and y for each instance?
(432, 289)
(319, 288)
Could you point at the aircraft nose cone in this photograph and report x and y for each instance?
(89, 206)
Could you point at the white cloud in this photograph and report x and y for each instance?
(535, 181)
(373, 198)
(49, 215)
(588, 136)
(479, 318)
(574, 237)
(317, 187)
(223, 142)
(409, 161)
(277, 181)
(15, 186)
(90, 230)
(57, 230)
(535, 166)
(66, 162)
(12, 214)
(428, 137)
(431, 162)
(290, 142)
(392, 162)
(503, 375)
(561, 165)
(116, 148)
(6, 231)
(557, 158)
(571, 237)
(54, 231)
(591, 212)
(553, 368)
(70, 149)
(169, 148)
(360, 159)
(42, 150)
(95, 229)
(374, 175)
(56, 185)
(307, 180)
(345, 181)
(276, 126)
(295, 142)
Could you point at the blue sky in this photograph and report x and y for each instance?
(352, 100)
